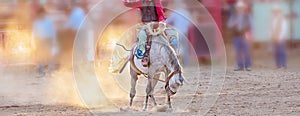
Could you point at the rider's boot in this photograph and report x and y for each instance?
(145, 60)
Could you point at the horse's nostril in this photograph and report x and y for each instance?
(181, 79)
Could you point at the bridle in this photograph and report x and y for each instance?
(178, 71)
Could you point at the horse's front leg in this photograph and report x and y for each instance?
(168, 92)
(148, 90)
(169, 101)
(133, 85)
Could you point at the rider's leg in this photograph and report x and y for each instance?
(173, 37)
(142, 40)
(143, 47)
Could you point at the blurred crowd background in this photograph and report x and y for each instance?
(42, 32)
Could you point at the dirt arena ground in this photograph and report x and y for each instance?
(263, 91)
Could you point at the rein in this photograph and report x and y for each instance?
(171, 75)
(168, 79)
(154, 78)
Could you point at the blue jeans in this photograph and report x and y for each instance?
(242, 48)
(182, 44)
(280, 54)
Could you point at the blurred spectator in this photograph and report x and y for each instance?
(231, 6)
(279, 30)
(34, 8)
(198, 41)
(240, 23)
(179, 20)
(45, 36)
(76, 17)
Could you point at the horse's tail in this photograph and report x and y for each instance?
(119, 60)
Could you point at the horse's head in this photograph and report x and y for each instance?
(175, 81)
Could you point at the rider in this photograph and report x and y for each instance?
(151, 11)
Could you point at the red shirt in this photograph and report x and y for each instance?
(231, 1)
(138, 4)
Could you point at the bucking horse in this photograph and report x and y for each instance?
(163, 59)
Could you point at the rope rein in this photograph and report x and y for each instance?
(123, 47)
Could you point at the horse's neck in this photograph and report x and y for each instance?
(173, 67)
(168, 54)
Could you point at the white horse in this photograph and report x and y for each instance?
(162, 59)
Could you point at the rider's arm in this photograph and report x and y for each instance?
(160, 13)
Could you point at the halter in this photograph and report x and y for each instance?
(168, 79)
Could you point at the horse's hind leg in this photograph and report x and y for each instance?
(133, 85)
(153, 84)
(149, 91)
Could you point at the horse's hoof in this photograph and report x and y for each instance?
(130, 103)
(170, 110)
(144, 109)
